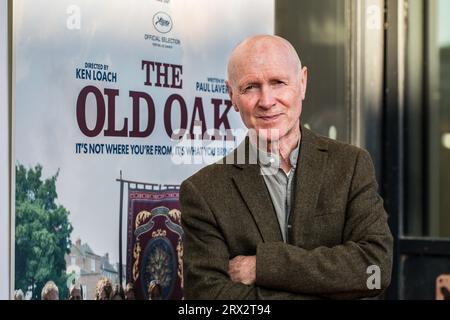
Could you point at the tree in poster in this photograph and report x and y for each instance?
(42, 232)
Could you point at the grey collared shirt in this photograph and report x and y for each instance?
(279, 184)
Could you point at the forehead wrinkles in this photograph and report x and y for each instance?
(259, 55)
(259, 68)
(255, 74)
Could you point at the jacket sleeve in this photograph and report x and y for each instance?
(339, 272)
(206, 256)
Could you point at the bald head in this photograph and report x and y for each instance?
(267, 85)
(255, 49)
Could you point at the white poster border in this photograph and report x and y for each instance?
(5, 226)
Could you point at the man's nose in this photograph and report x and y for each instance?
(267, 99)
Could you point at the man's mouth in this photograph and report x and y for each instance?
(270, 117)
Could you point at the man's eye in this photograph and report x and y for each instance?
(249, 87)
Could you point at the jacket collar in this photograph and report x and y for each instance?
(309, 173)
(241, 157)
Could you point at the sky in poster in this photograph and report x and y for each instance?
(112, 32)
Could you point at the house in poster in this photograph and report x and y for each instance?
(89, 268)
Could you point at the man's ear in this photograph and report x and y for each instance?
(231, 94)
(304, 81)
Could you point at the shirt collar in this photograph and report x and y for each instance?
(267, 159)
(294, 154)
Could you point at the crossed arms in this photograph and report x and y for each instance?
(283, 271)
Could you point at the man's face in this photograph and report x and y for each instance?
(268, 89)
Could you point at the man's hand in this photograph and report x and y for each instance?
(242, 269)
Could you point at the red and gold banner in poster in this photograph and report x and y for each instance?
(155, 244)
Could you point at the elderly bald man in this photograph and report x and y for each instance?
(303, 221)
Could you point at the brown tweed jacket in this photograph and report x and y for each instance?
(338, 228)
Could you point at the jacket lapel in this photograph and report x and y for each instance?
(250, 184)
(309, 177)
(308, 180)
